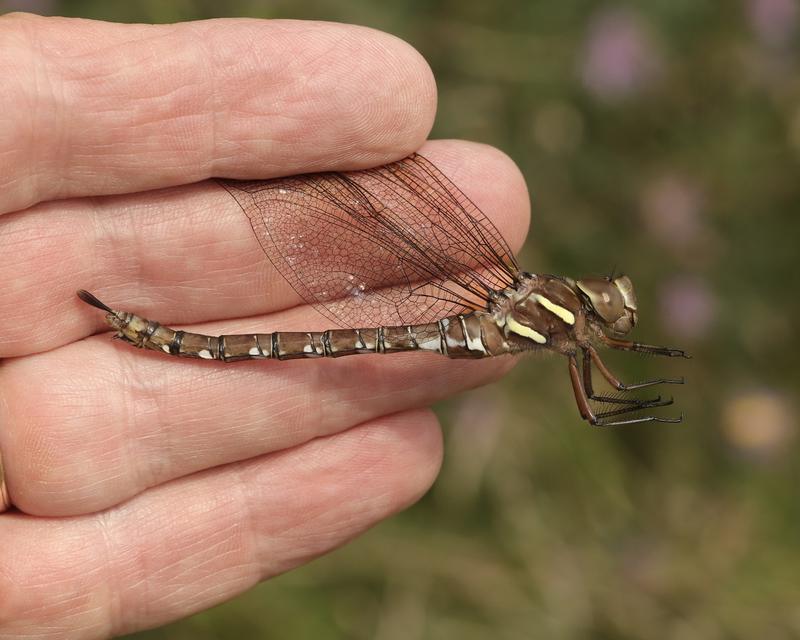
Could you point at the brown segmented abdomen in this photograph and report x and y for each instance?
(473, 335)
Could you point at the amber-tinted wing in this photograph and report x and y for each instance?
(398, 244)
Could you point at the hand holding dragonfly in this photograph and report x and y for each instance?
(152, 487)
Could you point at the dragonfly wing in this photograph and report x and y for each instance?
(398, 244)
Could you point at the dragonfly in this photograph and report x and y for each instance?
(400, 259)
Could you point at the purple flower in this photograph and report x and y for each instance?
(620, 57)
(671, 209)
(774, 21)
(689, 307)
(39, 7)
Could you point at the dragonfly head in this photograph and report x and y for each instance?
(612, 300)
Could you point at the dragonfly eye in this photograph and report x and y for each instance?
(612, 300)
(625, 287)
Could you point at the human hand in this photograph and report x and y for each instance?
(147, 488)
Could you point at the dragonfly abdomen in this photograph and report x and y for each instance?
(459, 336)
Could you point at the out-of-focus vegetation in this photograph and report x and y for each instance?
(660, 137)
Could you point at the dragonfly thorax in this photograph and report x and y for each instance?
(543, 310)
(562, 313)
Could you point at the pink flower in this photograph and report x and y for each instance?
(620, 58)
(774, 21)
(40, 7)
(689, 307)
(671, 208)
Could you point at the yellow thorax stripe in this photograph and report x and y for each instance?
(565, 314)
(525, 332)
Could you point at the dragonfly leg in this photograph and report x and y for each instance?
(644, 404)
(587, 382)
(628, 345)
(601, 419)
(614, 381)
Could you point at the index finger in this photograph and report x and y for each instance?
(95, 108)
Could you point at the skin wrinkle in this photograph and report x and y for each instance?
(212, 100)
(55, 134)
(249, 527)
(79, 65)
(287, 536)
(174, 585)
(51, 474)
(135, 227)
(108, 231)
(397, 101)
(144, 408)
(299, 85)
(30, 606)
(167, 452)
(196, 555)
(90, 258)
(127, 416)
(155, 464)
(29, 115)
(322, 461)
(289, 410)
(105, 525)
(155, 107)
(238, 146)
(135, 574)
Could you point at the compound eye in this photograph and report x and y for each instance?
(604, 297)
(625, 286)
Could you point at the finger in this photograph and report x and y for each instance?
(193, 543)
(92, 108)
(184, 255)
(91, 424)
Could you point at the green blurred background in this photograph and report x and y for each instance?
(660, 137)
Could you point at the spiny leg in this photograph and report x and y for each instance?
(614, 381)
(588, 353)
(582, 400)
(640, 347)
(632, 404)
(618, 423)
(647, 404)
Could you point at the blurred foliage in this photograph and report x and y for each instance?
(660, 137)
